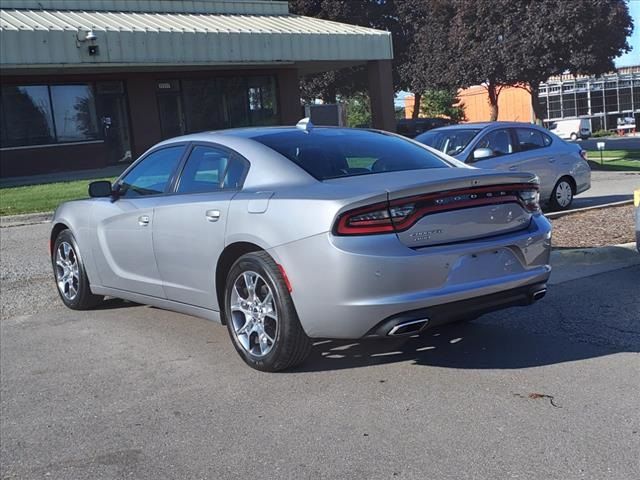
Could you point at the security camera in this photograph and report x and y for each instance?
(90, 36)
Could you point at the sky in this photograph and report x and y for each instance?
(633, 57)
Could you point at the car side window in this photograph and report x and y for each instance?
(530, 139)
(209, 169)
(152, 174)
(498, 141)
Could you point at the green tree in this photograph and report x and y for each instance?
(379, 14)
(428, 53)
(556, 37)
(438, 103)
(358, 110)
(444, 44)
(482, 35)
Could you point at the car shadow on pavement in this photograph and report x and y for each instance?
(114, 303)
(462, 346)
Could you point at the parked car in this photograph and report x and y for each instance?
(636, 203)
(410, 127)
(287, 234)
(572, 128)
(518, 147)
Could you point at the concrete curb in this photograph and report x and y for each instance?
(553, 215)
(574, 263)
(26, 219)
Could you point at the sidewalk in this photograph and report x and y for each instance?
(111, 171)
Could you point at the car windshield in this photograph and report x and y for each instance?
(450, 141)
(332, 152)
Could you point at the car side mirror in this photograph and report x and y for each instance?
(101, 188)
(482, 153)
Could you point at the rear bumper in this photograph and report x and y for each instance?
(343, 287)
(582, 176)
(460, 310)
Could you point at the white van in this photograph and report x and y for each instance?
(572, 128)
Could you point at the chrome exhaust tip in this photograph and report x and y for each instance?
(537, 295)
(405, 328)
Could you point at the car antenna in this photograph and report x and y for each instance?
(305, 125)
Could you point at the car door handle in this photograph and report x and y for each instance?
(212, 215)
(143, 220)
(513, 168)
(551, 159)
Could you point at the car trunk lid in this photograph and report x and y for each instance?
(453, 205)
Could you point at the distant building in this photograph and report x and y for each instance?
(603, 100)
(90, 84)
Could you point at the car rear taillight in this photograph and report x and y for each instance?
(401, 214)
(530, 199)
(378, 218)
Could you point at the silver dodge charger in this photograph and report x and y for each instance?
(287, 234)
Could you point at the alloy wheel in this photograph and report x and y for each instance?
(564, 194)
(67, 271)
(254, 315)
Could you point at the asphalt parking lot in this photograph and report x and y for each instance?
(129, 391)
(608, 187)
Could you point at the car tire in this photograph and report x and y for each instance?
(261, 319)
(69, 274)
(562, 194)
(573, 137)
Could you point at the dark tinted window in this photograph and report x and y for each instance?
(26, 117)
(152, 175)
(530, 139)
(209, 169)
(332, 153)
(450, 142)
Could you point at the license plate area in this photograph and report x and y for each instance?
(484, 265)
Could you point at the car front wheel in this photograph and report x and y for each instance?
(562, 195)
(260, 315)
(70, 276)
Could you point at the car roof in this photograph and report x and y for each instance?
(253, 132)
(483, 125)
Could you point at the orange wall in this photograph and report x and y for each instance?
(514, 104)
(409, 102)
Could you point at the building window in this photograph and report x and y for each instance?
(205, 105)
(582, 104)
(262, 101)
(555, 107)
(26, 116)
(74, 111)
(611, 98)
(196, 105)
(626, 102)
(47, 114)
(568, 105)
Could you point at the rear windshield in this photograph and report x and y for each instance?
(333, 153)
(451, 141)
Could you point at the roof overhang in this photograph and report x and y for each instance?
(58, 39)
